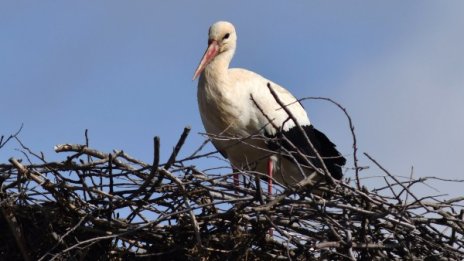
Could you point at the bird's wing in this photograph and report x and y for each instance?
(268, 109)
(264, 106)
(333, 160)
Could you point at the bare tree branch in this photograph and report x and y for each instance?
(95, 204)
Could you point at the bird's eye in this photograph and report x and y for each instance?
(226, 36)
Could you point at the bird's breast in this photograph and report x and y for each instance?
(220, 110)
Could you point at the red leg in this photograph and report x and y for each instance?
(269, 185)
(236, 179)
(269, 173)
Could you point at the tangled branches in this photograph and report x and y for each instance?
(110, 206)
(95, 204)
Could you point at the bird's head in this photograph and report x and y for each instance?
(221, 39)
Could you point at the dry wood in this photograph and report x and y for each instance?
(95, 204)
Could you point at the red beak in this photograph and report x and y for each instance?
(211, 52)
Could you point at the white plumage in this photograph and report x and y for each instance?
(235, 123)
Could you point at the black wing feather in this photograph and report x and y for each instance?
(326, 149)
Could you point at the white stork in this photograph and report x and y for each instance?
(236, 108)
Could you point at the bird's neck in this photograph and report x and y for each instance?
(217, 69)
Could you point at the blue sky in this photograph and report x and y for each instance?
(123, 70)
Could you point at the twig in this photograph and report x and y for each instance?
(328, 177)
(353, 135)
(174, 153)
(3, 142)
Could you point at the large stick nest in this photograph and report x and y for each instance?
(96, 205)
